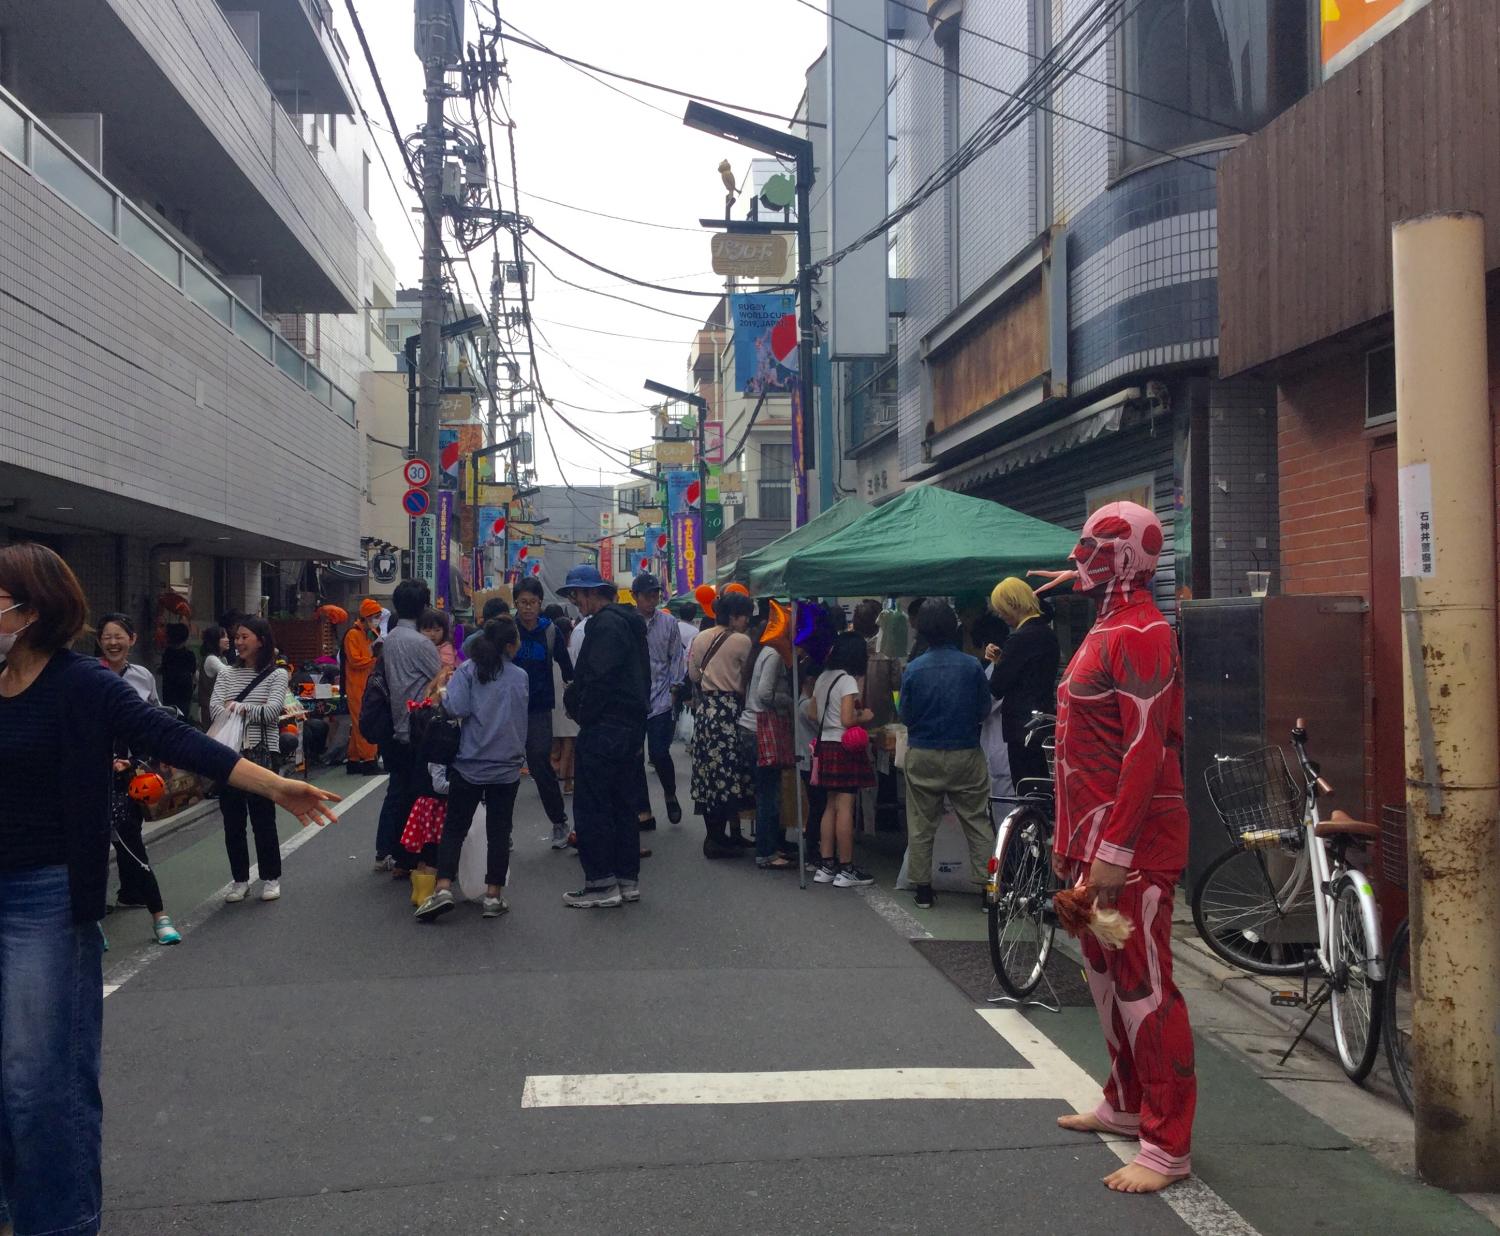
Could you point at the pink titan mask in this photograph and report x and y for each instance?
(1118, 548)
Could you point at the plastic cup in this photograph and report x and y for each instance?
(1260, 582)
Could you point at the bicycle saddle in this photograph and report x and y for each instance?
(1342, 825)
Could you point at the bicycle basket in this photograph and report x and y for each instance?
(1049, 749)
(1258, 799)
(1393, 846)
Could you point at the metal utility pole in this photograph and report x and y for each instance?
(1445, 451)
(436, 41)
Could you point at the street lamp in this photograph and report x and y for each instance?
(799, 151)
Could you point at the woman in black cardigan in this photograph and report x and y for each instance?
(1024, 679)
(61, 715)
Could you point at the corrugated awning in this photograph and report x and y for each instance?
(1078, 429)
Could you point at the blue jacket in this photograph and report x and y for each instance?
(532, 657)
(945, 698)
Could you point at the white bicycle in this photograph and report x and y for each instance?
(1251, 905)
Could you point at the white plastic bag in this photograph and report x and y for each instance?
(473, 860)
(229, 729)
(684, 733)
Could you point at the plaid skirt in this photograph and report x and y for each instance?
(721, 774)
(424, 826)
(839, 769)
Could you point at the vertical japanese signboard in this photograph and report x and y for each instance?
(444, 536)
(425, 556)
(687, 567)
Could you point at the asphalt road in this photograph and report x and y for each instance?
(325, 1065)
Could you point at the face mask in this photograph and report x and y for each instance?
(8, 638)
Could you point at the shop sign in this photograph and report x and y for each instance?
(456, 408)
(425, 541)
(607, 559)
(764, 256)
(688, 567)
(444, 549)
(731, 497)
(385, 565)
(675, 454)
(606, 522)
(1414, 493)
(713, 442)
(713, 520)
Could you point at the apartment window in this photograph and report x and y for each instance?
(775, 488)
(1203, 70)
(365, 183)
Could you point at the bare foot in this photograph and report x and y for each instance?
(1134, 1178)
(1085, 1122)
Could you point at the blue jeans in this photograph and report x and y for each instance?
(51, 1023)
(604, 801)
(769, 833)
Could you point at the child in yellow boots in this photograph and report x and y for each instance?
(423, 831)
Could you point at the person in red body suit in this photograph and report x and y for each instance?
(1122, 827)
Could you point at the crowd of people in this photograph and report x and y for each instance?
(587, 708)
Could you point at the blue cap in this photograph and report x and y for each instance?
(584, 577)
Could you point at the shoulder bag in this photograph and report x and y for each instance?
(697, 687)
(376, 724)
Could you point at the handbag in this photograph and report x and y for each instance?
(377, 724)
(774, 744)
(229, 729)
(434, 733)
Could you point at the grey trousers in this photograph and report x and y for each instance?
(963, 777)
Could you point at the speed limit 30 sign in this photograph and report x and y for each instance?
(417, 473)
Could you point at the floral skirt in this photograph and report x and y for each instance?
(722, 779)
(424, 826)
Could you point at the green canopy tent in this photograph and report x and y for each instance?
(927, 542)
(762, 569)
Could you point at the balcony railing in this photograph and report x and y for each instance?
(34, 146)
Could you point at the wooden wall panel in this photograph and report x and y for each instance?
(998, 355)
(1306, 206)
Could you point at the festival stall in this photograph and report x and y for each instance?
(762, 568)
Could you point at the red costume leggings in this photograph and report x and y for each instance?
(1152, 1091)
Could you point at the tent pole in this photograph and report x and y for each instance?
(796, 771)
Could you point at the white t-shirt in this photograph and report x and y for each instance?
(689, 633)
(830, 691)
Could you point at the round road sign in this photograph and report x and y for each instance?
(417, 473)
(415, 501)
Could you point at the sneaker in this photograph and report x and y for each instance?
(674, 811)
(560, 835)
(270, 890)
(648, 825)
(594, 896)
(237, 890)
(383, 866)
(494, 907)
(851, 876)
(713, 847)
(924, 898)
(435, 906)
(630, 890)
(165, 932)
(826, 874)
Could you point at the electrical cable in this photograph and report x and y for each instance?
(552, 201)
(640, 283)
(625, 300)
(527, 41)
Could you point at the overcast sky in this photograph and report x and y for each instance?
(584, 144)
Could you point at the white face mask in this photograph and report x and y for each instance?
(8, 638)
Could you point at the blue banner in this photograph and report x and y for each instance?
(679, 501)
(765, 341)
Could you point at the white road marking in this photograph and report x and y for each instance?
(894, 913)
(215, 901)
(1195, 1203)
(810, 1086)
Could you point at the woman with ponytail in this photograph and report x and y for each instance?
(490, 695)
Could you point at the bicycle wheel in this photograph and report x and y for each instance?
(1356, 997)
(1241, 910)
(1021, 927)
(1396, 1018)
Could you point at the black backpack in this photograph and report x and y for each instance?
(376, 722)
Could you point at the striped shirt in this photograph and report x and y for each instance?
(668, 660)
(263, 706)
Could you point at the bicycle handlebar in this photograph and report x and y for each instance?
(1299, 742)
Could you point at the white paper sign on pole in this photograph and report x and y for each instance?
(1418, 546)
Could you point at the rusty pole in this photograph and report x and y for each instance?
(1445, 451)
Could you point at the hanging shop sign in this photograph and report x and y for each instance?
(607, 559)
(713, 520)
(443, 585)
(731, 497)
(385, 565)
(456, 408)
(765, 341)
(425, 555)
(713, 442)
(763, 256)
(606, 523)
(651, 516)
(689, 567)
(675, 454)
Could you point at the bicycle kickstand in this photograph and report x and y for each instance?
(1315, 1006)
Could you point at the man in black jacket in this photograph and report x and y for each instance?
(608, 697)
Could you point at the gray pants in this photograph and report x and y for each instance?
(964, 778)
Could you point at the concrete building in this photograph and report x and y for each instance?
(162, 421)
(1059, 342)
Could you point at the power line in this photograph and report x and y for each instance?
(666, 227)
(594, 330)
(638, 81)
(640, 283)
(624, 300)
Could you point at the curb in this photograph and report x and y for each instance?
(185, 818)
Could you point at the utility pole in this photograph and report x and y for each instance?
(491, 369)
(436, 42)
(1445, 451)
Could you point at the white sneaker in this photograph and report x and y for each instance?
(850, 876)
(826, 873)
(237, 890)
(630, 890)
(270, 890)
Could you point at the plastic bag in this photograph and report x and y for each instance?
(473, 860)
(684, 733)
(229, 729)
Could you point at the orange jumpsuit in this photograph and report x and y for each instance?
(358, 662)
